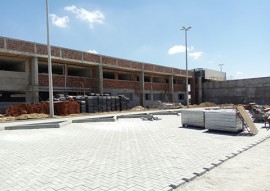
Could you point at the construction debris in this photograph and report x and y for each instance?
(138, 108)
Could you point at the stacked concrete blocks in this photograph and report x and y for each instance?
(105, 103)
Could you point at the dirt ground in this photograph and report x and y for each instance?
(249, 170)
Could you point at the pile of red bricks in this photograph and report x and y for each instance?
(60, 108)
(66, 107)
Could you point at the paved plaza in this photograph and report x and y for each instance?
(128, 154)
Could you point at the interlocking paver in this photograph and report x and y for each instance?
(129, 154)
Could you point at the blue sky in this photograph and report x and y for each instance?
(234, 33)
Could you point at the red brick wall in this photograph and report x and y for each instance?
(147, 85)
(120, 84)
(136, 65)
(123, 63)
(71, 54)
(24, 46)
(168, 70)
(80, 82)
(156, 86)
(160, 86)
(43, 80)
(41, 49)
(158, 68)
(58, 80)
(20, 46)
(148, 67)
(178, 87)
(72, 81)
(1, 42)
(91, 57)
(109, 60)
(176, 71)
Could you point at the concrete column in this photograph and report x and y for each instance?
(65, 74)
(33, 96)
(171, 89)
(99, 83)
(141, 78)
(151, 94)
(115, 75)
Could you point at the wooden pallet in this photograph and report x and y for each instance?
(246, 120)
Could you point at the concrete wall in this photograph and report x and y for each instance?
(238, 91)
(13, 81)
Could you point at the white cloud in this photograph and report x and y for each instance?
(91, 17)
(92, 51)
(195, 55)
(176, 49)
(59, 21)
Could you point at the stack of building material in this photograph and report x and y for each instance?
(95, 104)
(123, 102)
(113, 107)
(192, 118)
(223, 120)
(66, 107)
(109, 103)
(82, 106)
(89, 104)
(117, 103)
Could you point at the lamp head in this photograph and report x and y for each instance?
(186, 29)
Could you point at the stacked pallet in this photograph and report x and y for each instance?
(223, 120)
(108, 103)
(192, 118)
(123, 102)
(82, 106)
(117, 103)
(66, 107)
(113, 107)
(89, 104)
(105, 103)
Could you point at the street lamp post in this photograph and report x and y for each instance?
(187, 96)
(49, 63)
(221, 67)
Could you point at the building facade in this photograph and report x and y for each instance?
(24, 75)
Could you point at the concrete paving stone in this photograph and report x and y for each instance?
(125, 154)
(200, 172)
(177, 183)
(168, 188)
(217, 162)
(189, 177)
(223, 159)
(231, 155)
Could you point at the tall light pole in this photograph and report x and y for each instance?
(187, 96)
(49, 63)
(221, 67)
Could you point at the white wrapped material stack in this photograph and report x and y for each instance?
(223, 120)
(192, 117)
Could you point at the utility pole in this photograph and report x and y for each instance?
(187, 95)
(221, 67)
(49, 63)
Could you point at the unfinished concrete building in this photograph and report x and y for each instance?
(24, 75)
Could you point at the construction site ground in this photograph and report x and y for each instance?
(130, 154)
